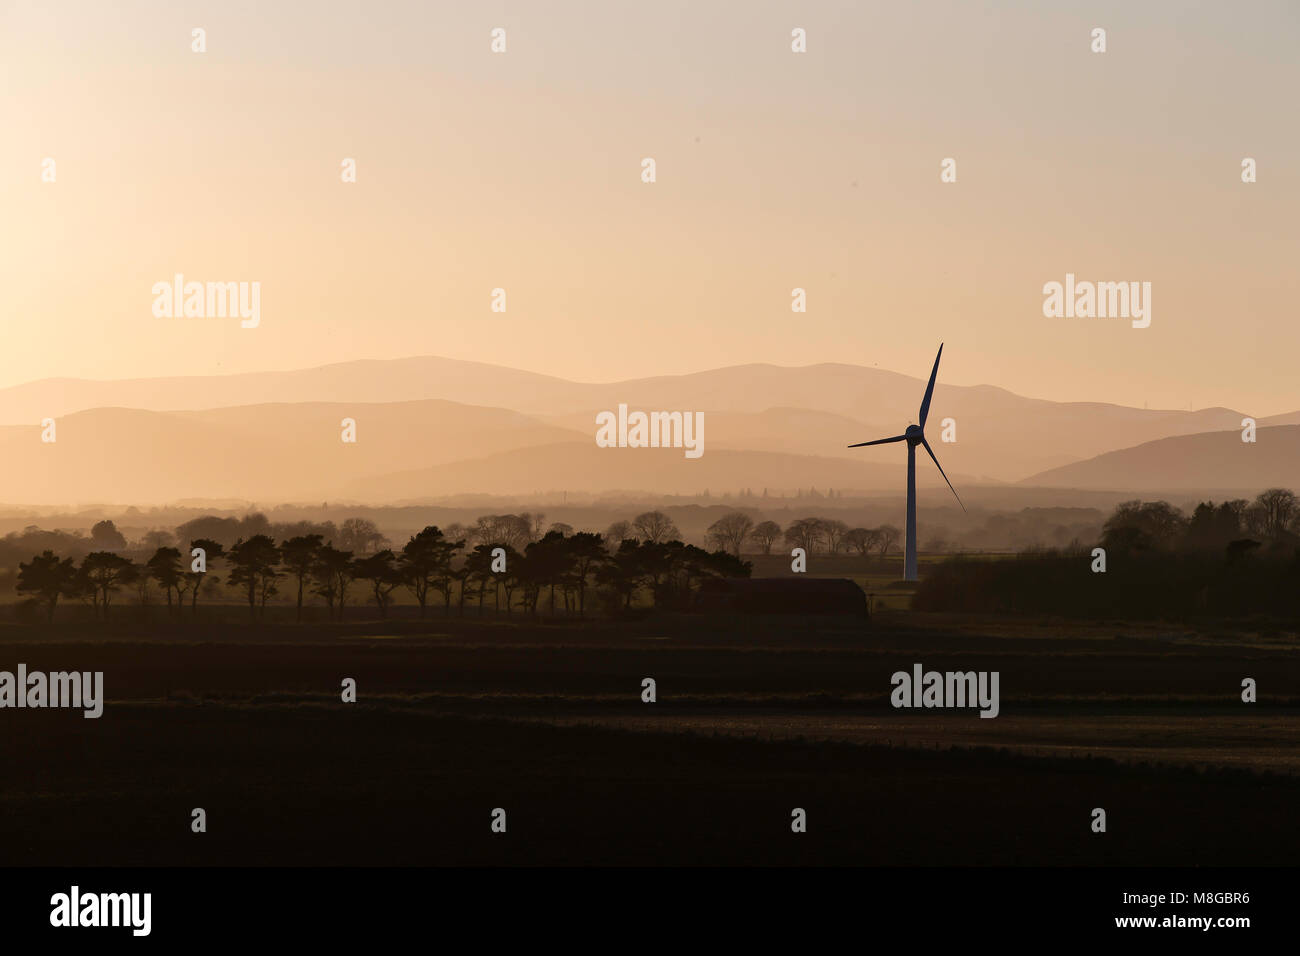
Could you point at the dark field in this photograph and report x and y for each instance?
(753, 719)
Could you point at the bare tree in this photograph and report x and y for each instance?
(536, 522)
(512, 530)
(862, 540)
(361, 536)
(1274, 510)
(806, 533)
(887, 538)
(515, 531)
(729, 532)
(834, 530)
(617, 533)
(766, 533)
(655, 526)
(105, 573)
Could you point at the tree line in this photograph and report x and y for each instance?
(518, 568)
(1236, 559)
(1237, 526)
(732, 531)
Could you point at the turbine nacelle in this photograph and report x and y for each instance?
(914, 434)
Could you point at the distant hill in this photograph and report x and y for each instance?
(404, 450)
(816, 409)
(436, 426)
(1213, 460)
(368, 381)
(262, 452)
(1000, 437)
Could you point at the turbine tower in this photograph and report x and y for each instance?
(915, 435)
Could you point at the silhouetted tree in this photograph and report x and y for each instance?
(527, 572)
(536, 522)
(49, 578)
(1276, 509)
(139, 576)
(673, 571)
(766, 533)
(1213, 528)
(380, 569)
(887, 538)
(426, 564)
(513, 530)
(253, 566)
(511, 580)
(461, 576)
(105, 572)
(478, 570)
(156, 539)
(656, 560)
(212, 551)
(1141, 526)
(623, 573)
(616, 533)
(299, 529)
(699, 566)
(729, 532)
(587, 552)
(862, 540)
(165, 568)
(654, 526)
(549, 560)
(299, 556)
(806, 533)
(104, 536)
(361, 536)
(834, 531)
(332, 573)
(209, 528)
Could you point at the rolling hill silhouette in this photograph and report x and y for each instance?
(267, 452)
(436, 426)
(1213, 460)
(815, 409)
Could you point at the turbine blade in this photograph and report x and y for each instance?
(929, 389)
(945, 477)
(879, 441)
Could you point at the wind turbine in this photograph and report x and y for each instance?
(915, 435)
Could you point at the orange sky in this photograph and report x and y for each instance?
(775, 170)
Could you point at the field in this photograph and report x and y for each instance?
(753, 718)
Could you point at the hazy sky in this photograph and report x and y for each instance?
(775, 170)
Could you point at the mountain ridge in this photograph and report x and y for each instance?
(423, 412)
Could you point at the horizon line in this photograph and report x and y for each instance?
(568, 381)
